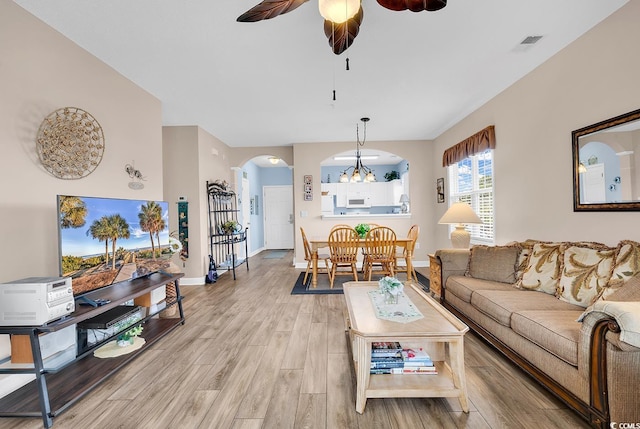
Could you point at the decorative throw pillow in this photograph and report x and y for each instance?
(585, 273)
(626, 265)
(543, 268)
(495, 263)
(526, 248)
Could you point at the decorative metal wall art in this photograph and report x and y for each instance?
(70, 143)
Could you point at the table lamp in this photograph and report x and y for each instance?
(404, 199)
(460, 214)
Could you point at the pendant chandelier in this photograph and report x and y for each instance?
(360, 171)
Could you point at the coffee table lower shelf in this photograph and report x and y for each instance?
(413, 385)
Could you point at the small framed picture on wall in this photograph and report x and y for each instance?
(308, 188)
(440, 189)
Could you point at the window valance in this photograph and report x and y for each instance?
(479, 142)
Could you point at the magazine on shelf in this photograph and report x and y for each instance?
(427, 370)
(415, 370)
(416, 357)
(387, 362)
(389, 348)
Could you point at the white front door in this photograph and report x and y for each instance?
(278, 217)
(594, 186)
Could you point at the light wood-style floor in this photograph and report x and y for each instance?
(253, 356)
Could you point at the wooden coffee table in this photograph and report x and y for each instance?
(439, 333)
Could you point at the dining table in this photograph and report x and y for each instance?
(320, 242)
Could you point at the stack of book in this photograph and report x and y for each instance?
(392, 358)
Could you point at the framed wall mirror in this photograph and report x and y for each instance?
(606, 165)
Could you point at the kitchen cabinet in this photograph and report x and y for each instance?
(381, 194)
(330, 188)
(341, 194)
(327, 204)
(377, 193)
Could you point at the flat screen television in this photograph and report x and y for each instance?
(103, 241)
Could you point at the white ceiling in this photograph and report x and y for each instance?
(270, 83)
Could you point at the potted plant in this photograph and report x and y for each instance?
(230, 227)
(128, 337)
(362, 229)
(391, 175)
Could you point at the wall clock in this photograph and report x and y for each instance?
(70, 143)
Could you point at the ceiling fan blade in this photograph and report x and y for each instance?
(413, 5)
(341, 35)
(269, 9)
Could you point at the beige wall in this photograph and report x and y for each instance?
(307, 158)
(41, 71)
(191, 158)
(593, 79)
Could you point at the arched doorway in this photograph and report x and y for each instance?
(264, 181)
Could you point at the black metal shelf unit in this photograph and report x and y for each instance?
(55, 390)
(224, 240)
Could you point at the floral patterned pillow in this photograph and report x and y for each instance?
(526, 247)
(586, 272)
(543, 268)
(626, 265)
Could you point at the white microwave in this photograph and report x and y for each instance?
(358, 202)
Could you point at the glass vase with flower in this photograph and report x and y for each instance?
(391, 288)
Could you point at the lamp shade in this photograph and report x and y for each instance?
(338, 11)
(460, 213)
(404, 198)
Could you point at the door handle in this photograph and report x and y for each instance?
(291, 218)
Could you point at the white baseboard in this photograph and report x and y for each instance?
(255, 252)
(192, 281)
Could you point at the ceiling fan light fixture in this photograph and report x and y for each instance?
(338, 11)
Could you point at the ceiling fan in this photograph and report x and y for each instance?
(342, 18)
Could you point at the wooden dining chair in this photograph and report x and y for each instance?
(343, 247)
(308, 256)
(380, 245)
(404, 252)
(340, 225)
(364, 250)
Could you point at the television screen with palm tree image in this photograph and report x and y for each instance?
(103, 241)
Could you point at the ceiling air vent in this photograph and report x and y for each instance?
(526, 44)
(530, 40)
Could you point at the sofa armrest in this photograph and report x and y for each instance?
(454, 262)
(611, 367)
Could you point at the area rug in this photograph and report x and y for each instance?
(275, 254)
(323, 284)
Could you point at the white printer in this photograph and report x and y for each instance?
(35, 301)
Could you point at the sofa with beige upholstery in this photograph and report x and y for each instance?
(566, 313)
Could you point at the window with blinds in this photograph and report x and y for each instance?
(471, 181)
